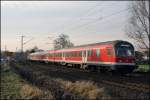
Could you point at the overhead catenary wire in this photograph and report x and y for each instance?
(93, 21)
(83, 14)
(98, 19)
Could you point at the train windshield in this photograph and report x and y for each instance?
(124, 51)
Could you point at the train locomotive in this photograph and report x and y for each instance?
(114, 56)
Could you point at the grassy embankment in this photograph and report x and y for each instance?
(14, 87)
(143, 68)
(60, 88)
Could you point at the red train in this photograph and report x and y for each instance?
(115, 55)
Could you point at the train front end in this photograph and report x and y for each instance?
(124, 57)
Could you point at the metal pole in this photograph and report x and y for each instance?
(22, 43)
(5, 48)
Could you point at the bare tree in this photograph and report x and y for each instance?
(34, 49)
(138, 26)
(62, 42)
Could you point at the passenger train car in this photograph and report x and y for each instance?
(115, 55)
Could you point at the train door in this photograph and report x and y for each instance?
(63, 56)
(84, 56)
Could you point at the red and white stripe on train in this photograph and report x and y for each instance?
(113, 55)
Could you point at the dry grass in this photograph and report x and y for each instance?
(84, 89)
(63, 89)
(14, 87)
(31, 92)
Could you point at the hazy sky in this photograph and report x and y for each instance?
(84, 21)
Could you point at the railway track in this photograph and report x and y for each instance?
(122, 82)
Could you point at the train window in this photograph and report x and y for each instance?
(89, 52)
(80, 53)
(72, 54)
(109, 51)
(75, 53)
(63, 54)
(67, 54)
(97, 52)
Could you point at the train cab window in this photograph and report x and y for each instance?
(97, 52)
(124, 51)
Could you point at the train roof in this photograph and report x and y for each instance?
(93, 44)
(99, 43)
(40, 52)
